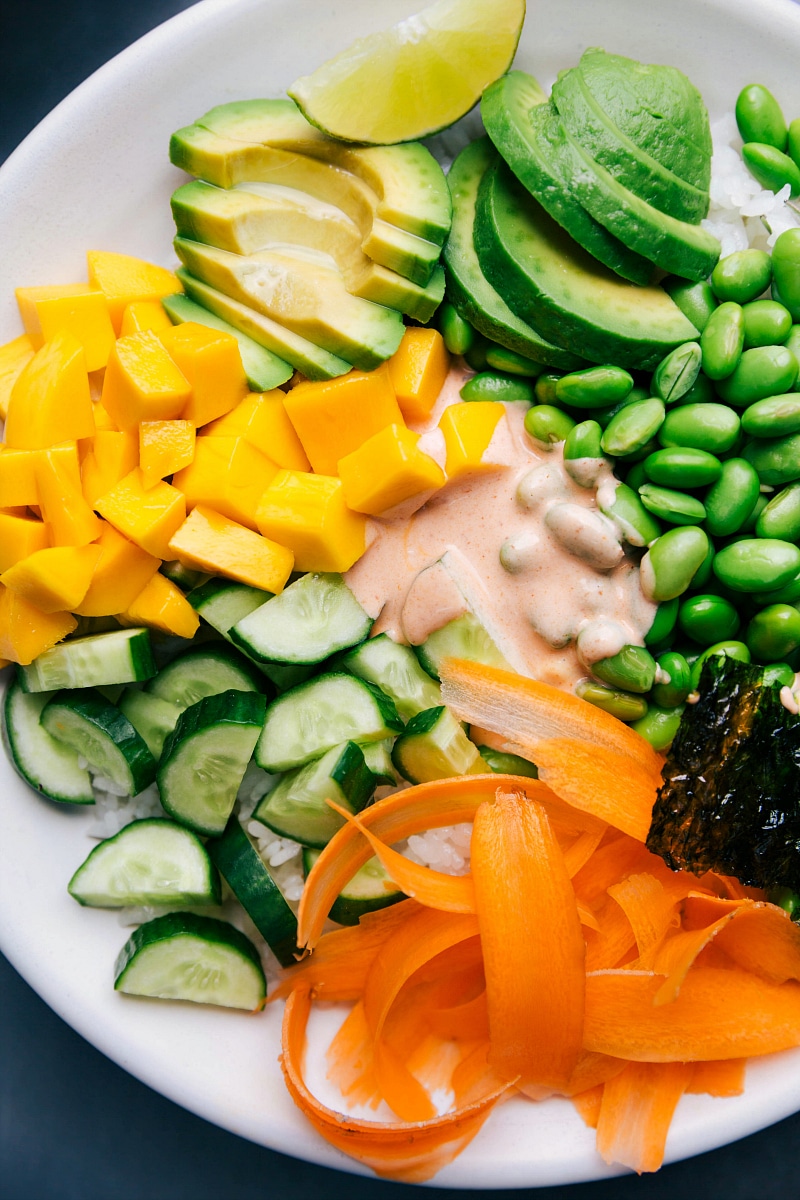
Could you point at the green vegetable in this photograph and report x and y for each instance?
(669, 694)
(458, 334)
(682, 467)
(671, 562)
(583, 441)
(663, 623)
(638, 527)
(659, 725)
(695, 300)
(773, 633)
(722, 340)
(545, 390)
(491, 385)
(771, 167)
(710, 427)
(774, 417)
(759, 117)
(779, 673)
(786, 271)
(757, 564)
(632, 669)
(594, 387)
(724, 649)
(549, 424)
(676, 374)
(761, 372)
(766, 323)
(776, 460)
(780, 517)
(708, 618)
(674, 507)
(731, 499)
(633, 427)
(501, 359)
(620, 704)
(741, 276)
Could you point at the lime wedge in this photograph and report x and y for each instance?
(415, 78)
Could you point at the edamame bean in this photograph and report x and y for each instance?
(730, 500)
(792, 146)
(632, 669)
(682, 467)
(620, 704)
(676, 508)
(636, 525)
(757, 564)
(706, 619)
(490, 385)
(766, 323)
(722, 340)
(586, 534)
(701, 392)
(583, 455)
(636, 476)
(741, 276)
(751, 522)
(548, 424)
(501, 359)
(730, 649)
(778, 674)
(669, 565)
(776, 460)
(668, 694)
(793, 343)
(788, 594)
(761, 372)
(604, 416)
(659, 726)
(773, 633)
(695, 300)
(475, 357)
(594, 387)
(774, 417)
(786, 272)
(702, 575)
(458, 334)
(663, 623)
(676, 374)
(786, 899)
(546, 388)
(772, 168)
(711, 427)
(781, 515)
(633, 427)
(759, 117)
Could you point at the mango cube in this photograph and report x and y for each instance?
(468, 429)
(14, 356)
(164, 448)
(146, 516)
(212, 362)
(20, 536)
(386, 470)
(207, 541)
(46, 311)
(122, 570)
(228, 475)
(261, 419)
(162, 605)
(141, 315)
(123, 279)
(418, 369)
(18, 477)
(142, 382)
(333, 418)
(26, 631)
(308, 514)
(69, 518)
(112, 456)
(50, 400)
(55, 579)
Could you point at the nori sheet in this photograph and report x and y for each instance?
(730, 801)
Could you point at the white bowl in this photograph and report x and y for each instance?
(95, 174)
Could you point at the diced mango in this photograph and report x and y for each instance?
(26, 631)
(164, 448)
(261, 419)
(162, 605)
(468, 428)
(17, 477)
(14, 356)
(145, 314)
(113, 455)
(228, 475)
(147, 516)
(418, 369)
(332, 418)
(308, 514)
(55, 579)
(101, 418)
(207, 541)
(69, 518)
(123, 279)
(50, 401)
(121, 572)
(142, 382)
(212, 362)
(46, 311)
(386, 470)
(20, 536)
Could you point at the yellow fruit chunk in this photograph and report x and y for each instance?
(20, 536)
(50, 400)
(123, 279)
(164, 448)
(147, 516)
(101, 418)
(112, 456)
(69, 518)
(334, 417)
(261, 419)
(228, 475)
(212, 362)
(386, 470)
(142, 315)
(468, 428)
(308, 514)
(207, 541)
(142, 382)
(162, 605)
(26, 631)
(18, 477)
(82, 310)
(418, 370)
(55, 579)
(122, 571)
(14, 356)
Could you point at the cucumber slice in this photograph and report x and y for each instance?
(148, 862)
(250, 880)
(205, 758)
(507, 764)
(122, 656)
(150, 716)
(264, 370)
(465, 637)
(370, 888)
(378, 757)
(202, 672)
(297, 806)
(100, 733)
(396, 671)
(435, 746)
(316, 716)
(48, 765)
(181, 956)
(312, 619)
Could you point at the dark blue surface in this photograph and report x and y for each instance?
(73, 1126)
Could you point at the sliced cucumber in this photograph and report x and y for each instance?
(150, 716)
(316, 716)
(370, 888)
(465, 637)
(100, 733)
(202, 672)
(378, 757)
(205, 758)
(181, 956)
(48, 765)
(250, 880)
(148, 862)
(507, 764)
(297, 806)
(435, 746)
(122, 656)
(396, 671)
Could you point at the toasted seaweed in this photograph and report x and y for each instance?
(730, 801)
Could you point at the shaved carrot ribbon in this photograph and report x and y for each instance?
(636, 1109)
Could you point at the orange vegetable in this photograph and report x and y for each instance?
(761, 939)
(636, 1111)
(722, 1078)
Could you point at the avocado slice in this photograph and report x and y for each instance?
(305, 293)
(313, 361)
(547, 278)
(630, 165)
(526, 130)
(264, 370)
(468, 289)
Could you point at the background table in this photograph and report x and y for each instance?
(73, 1126)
